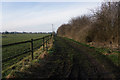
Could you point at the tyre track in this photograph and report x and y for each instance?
(97, 70)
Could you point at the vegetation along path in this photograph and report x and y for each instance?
(69, 60)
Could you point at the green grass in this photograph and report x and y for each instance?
(113, 57)
(19, 61)
(17, 49)
(12, 38)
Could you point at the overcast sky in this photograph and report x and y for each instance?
(39, 16)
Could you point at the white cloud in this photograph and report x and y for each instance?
(28, 20)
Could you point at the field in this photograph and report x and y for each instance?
(12, 38)
(18, 49)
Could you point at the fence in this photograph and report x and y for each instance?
(45, 40)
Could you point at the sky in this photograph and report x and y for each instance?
(39, 16)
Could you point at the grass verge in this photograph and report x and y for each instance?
(112, 55)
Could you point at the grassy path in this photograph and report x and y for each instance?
(70, 60)
(86, 63)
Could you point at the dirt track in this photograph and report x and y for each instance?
(69, 60)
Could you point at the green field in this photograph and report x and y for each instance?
(12, 38)
(18, 49)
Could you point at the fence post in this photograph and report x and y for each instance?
(43, 43)
(32, 48)
(51, 35)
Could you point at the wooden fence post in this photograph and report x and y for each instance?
(43, 44)
(48, 39)
(32, 48)
(51, 35)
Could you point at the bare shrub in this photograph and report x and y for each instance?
(102, 26)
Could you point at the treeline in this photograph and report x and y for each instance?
(6, 32)
(100, 27)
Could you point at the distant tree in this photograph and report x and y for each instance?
(6, 32)
(24, 32)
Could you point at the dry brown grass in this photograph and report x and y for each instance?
(27, 62)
